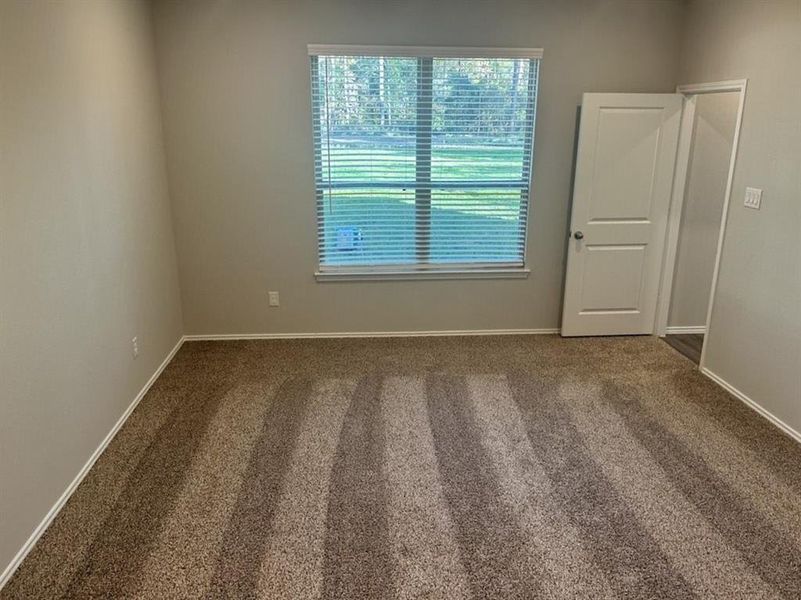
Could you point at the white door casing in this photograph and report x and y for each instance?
(624, 173)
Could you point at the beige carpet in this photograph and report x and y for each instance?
(508, 467)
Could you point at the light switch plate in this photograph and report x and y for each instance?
(753, 198)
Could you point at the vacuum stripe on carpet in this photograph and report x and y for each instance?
(525, 485)
(493, 550)
(292, 564)
(248, 529)
(774, 557)
(424, 550)
(736, 464)
(123, 544)
(193, 532)
(626, 552)
(357, 562)
(695, 548)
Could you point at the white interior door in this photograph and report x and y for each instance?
(624, 173)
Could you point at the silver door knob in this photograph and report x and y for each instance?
(578, 235)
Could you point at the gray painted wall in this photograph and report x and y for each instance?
(235, 87)
(87, 256)
(755, 335)
(707, 174)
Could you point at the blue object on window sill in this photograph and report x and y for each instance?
(349, 239)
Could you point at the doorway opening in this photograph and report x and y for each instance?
(706, 155)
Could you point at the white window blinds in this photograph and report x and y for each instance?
(422, 157)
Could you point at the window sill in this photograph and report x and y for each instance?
(512, 273)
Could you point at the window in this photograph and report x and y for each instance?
(422, 158)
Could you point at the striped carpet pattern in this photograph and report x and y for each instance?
(441, 468)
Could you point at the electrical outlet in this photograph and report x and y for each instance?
(135, 345)
(753, 198)
(274, 300)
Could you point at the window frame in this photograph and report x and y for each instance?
(421, 270)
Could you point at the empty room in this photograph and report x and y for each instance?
(400, 299)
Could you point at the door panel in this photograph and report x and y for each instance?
(623, 265)
(624, 172)
(627, 146)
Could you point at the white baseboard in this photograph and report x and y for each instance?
(51, 514)
(686, 329)
(367, 334)
(752, 404)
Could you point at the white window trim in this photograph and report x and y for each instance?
(365, 274)
(423, 51)
(420, 272)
